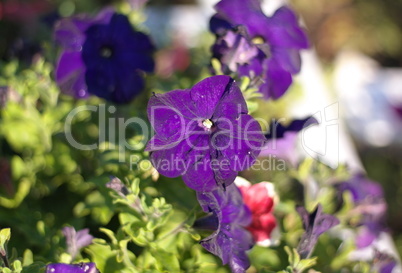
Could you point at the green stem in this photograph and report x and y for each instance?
(5, 260)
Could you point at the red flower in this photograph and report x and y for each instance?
(260, 199)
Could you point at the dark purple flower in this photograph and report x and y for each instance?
(314, 224)
(72, 268)
(277, 130)
(278, 37)
(103, 56)
(76, 240)
(230, 240)
(203, 133)
(370, 204)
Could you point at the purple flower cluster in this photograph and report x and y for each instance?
(249, 43)
(205, 135)
(103, 56)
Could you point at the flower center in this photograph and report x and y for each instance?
(106, 51)
(258, 40)
(207, 123)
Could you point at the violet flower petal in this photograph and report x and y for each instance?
(284, 31)
(277, 130)
(367, 234)
(170, 115)
(76, 240)
(288, 59)
(70, 74)
(314, 224)
(218, 97)
(72, 268)
(230, 241)
(244, 12)
(219, 25)
(276, 80)
(242, 152)
(362, 188)
(70, 32)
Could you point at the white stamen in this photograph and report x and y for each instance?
(207, 123)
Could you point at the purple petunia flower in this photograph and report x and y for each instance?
(203, 133)
(72, 268)
(103, 56)
(76, 240)
(315, 224)
(229, 217)
(278, 39)
(368, 198)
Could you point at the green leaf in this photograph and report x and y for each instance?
(27, 257)
(6, 270)
(305, 168)
(305, 264)
(17, 266)
(165, 261)
(5, 235)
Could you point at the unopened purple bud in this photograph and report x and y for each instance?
(315, 224)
